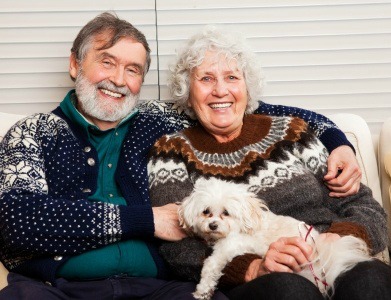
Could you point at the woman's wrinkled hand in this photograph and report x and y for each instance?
(287, 254)
(344, 174)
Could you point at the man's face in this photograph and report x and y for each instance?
(108, 81)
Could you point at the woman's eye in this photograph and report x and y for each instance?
(231, 77)
(206, 78)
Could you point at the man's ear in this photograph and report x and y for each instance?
(73, 66)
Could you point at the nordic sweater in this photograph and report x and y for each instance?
(281, 161)
(48, 169)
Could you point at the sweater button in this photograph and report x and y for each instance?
(58, 258)
(87, 149)
(91, 162)
(86, 191)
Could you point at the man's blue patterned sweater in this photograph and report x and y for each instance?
(48, 169)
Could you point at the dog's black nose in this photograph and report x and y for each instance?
(213, 226)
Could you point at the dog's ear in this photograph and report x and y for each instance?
(252, 214)
(187, 214)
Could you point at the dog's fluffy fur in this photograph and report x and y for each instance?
(235, 222)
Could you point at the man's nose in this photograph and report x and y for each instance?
(118, 77)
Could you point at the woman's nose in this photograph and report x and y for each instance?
(220, 89)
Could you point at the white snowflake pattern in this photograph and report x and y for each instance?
(22, 134)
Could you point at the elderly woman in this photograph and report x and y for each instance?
(217, 80)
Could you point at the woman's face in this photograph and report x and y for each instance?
(218, 96)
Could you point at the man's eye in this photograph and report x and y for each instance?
(134, 72)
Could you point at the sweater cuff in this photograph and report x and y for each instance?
(332, 138)
(137, 221)
(234, 273)
(350, 228)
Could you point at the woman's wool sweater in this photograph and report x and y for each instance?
(48, 169)
(279, 160)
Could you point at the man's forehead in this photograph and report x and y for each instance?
(103, 45)
(103, 41)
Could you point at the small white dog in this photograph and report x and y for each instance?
(234, 222)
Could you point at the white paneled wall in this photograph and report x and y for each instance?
(326, 55)
(35, 41)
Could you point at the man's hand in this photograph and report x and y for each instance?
(167, 223)
(284, 255)
(347, 182)
(3, 276)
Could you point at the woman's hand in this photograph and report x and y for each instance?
(284, 255)
(344, 174)
(328, 237)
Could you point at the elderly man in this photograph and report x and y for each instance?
(76, 219)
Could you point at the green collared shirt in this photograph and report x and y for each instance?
(130, 257)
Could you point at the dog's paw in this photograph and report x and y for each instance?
(203, 296)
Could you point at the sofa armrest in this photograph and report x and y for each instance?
(358, 133)
(387, 164)
(6, 121)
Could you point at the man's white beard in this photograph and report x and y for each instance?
(101, 109)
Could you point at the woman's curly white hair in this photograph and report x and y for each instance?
(232, 46)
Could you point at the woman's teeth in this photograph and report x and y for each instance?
(220, 105)
(110, 93)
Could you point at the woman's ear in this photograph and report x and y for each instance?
(73, 66)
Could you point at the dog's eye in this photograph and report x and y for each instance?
(206, 211)
(226, 213)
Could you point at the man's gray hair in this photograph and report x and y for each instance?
(233, 47)
(114, 29)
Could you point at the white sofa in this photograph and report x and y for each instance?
(358, 134)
